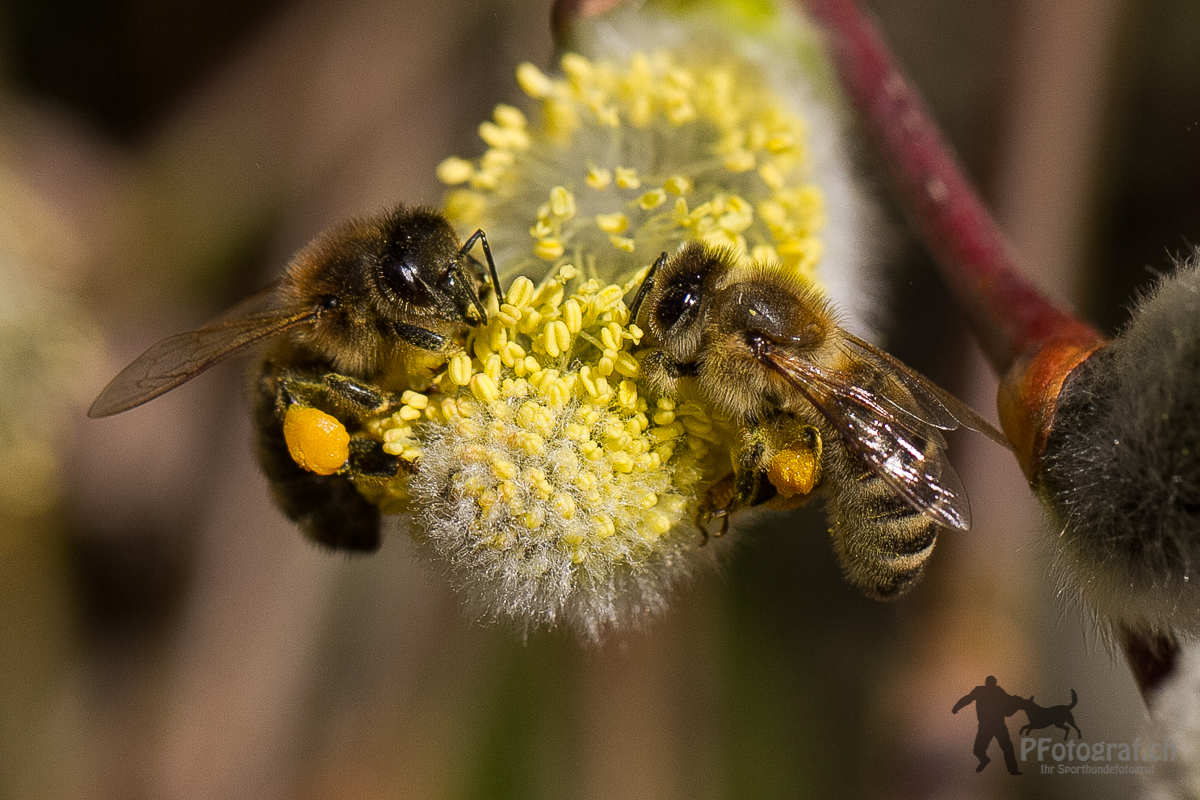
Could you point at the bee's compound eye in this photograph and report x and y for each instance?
(678, 303)
(403, 274)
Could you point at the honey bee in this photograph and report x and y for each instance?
(364, 311)
(811, 406)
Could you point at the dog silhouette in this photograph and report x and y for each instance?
(1058, 716)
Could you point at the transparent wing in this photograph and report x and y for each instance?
(897, 431)
(938, 406)
(179, 358)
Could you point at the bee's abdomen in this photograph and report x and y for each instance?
(882, 541)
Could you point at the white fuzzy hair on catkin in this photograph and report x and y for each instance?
(1123, 466)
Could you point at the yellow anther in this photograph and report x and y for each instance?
(652, 199)
(562, 203)
(557, 338)
(549, 249)
(627, 178)
(507, 116)
(598, 178)
(612, 223)
(459, 369)
(483, 388)
(572, 316)
(414, 399)
(564, 505)
(455, 170)
(533, 81)
(678, 184)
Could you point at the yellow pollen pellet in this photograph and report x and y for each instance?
(455, 170)
(577, 68)
(316, 441)
(483, 388)
(652, 199)
(533, 444)
(663, 433)
(459, 369)
(558, 338)
(492, 366)
(627, 178)
(649, 462)
(598, 178)
(771, 175)
(548, 249)
(612, 223)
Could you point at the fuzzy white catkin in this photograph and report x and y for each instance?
(1123, 466)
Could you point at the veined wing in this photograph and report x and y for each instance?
(889, 428)
(937, 406)
(179, 358)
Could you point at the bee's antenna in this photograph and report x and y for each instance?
(647, 285)
(481, 237)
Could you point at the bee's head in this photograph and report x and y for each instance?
(672, 306)
(381, 284)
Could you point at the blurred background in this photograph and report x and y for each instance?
(165, 632)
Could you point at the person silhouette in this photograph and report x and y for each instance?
(992, 705)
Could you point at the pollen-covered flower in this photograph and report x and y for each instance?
(543, 474)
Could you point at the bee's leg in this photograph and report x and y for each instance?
(715, 504)
(423, 338)
(663, 373)
(328, 508)
(795, 469)
(750, 463)
(350, 396)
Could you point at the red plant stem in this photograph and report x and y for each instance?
(1029, 340)
(1006, 311)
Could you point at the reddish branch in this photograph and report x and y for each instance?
(1030, 341)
